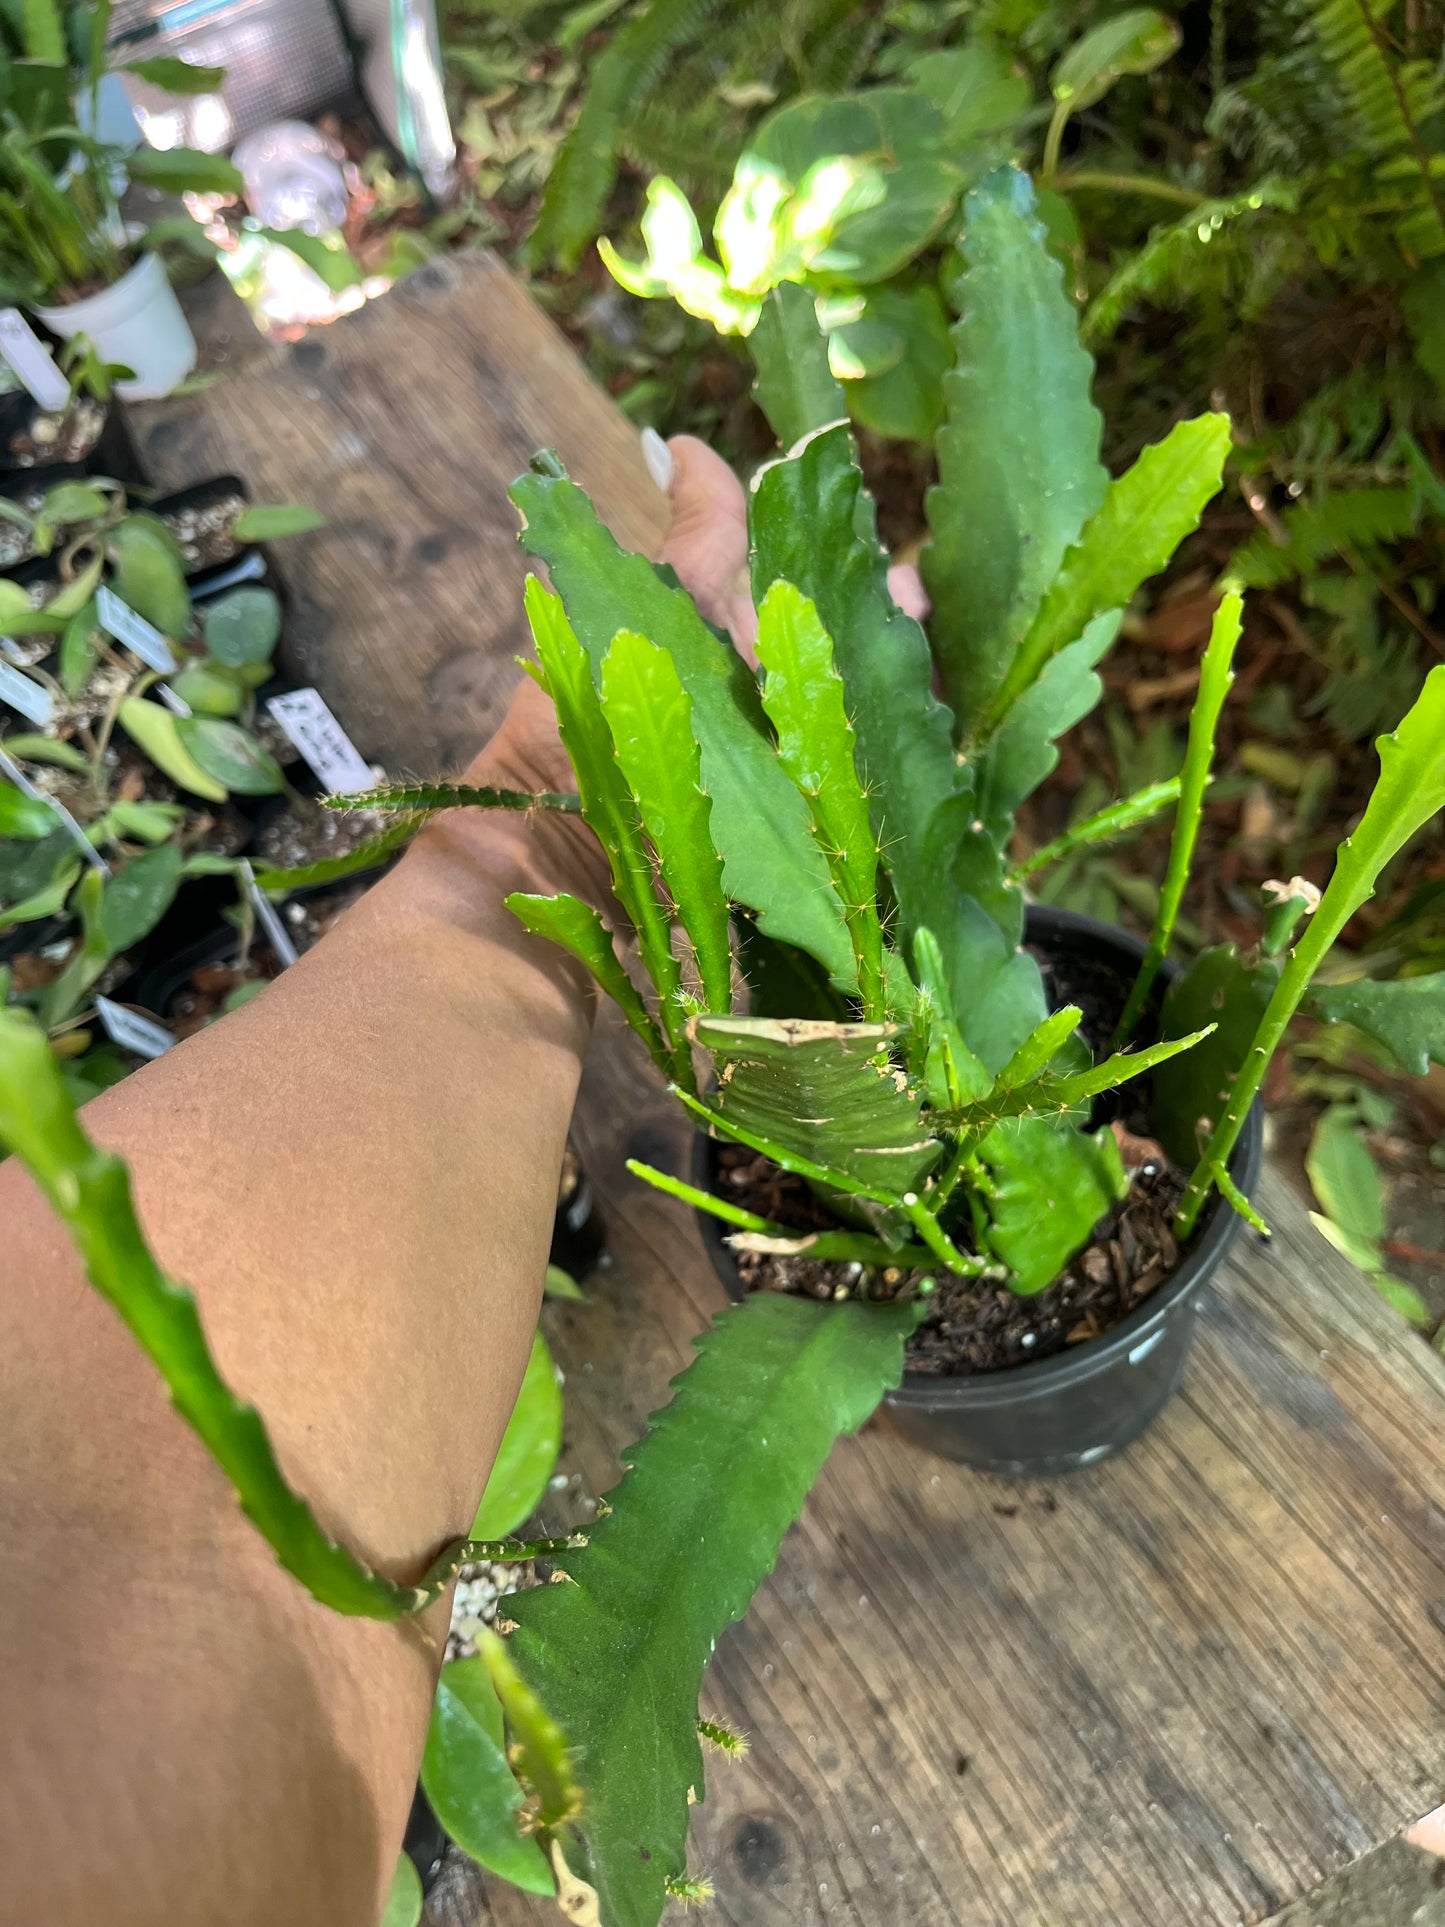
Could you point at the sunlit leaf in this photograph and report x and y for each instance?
(618, 1654)
(1134, 42)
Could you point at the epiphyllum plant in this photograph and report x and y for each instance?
(857, 825)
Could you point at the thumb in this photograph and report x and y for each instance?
(707, 543)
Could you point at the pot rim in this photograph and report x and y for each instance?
(118, 301)
(1219, 1228)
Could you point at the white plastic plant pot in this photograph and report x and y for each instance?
(137, 322)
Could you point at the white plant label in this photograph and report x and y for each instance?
(32, 361)
(335, 760)
(276, 932)
(128, 1028)
(33, 701)
(17, 776)
(118, 619)
(177, 705)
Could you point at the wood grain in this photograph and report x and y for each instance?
(1177, 1690)
(404, 424)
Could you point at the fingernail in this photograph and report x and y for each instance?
(658, 457)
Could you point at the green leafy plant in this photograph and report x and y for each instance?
(857, 827)
(1351, 1196)
(853, 196)
(103, 838)
(942, 1110)
(61, 232)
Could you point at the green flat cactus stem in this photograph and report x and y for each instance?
(1410, 790)
(938, 1240)
(425, 798)
(847, 1247)
(1116, 819)
(780, 1154)
(89, 1191)
(1215, 678)
(1237, 1201)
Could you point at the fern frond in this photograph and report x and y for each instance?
(586, 164)
(1387, 98)
(685, 146)
(838, 48)
(1169, 262)
(1345, 522)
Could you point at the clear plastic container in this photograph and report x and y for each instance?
(293, 179)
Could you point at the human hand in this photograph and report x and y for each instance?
(707, 544)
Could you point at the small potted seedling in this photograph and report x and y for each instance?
(113, 616)
(65, 250)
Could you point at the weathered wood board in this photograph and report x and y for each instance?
(404, 423)
(1177, 1690)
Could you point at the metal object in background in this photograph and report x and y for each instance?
(282, 58)
(294, 59)
(401, 77)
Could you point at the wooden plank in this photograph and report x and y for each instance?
(1177, 1690)
(404, 423)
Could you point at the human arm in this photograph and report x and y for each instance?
(356, 1174)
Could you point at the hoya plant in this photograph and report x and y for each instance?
(96, 843)
(829, 969)
(857, 197)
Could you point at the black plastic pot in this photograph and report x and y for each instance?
(91, 432)
(27, 488)
(1081, 1405)
(197, 500)
(425, 1840)
(577, 1229)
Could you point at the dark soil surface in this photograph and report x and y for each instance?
(974, 1324)
(68, 436)
(204, 530)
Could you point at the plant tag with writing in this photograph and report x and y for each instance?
(118, 619)
(335, 760)
(128, 1028)
(32, 361)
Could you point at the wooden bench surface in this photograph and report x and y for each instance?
(1177, 1690)
(404, 424)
